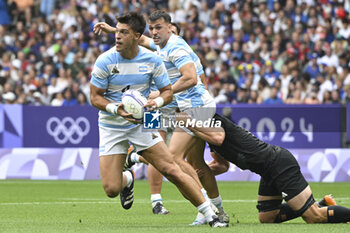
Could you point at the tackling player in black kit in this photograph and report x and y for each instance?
(280, 175)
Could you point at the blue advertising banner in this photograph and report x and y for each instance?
(11, 127)
(348, 122)
(60, 126)
(291, 126)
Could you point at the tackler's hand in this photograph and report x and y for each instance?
(103, 27)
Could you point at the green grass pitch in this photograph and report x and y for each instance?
(81, 206)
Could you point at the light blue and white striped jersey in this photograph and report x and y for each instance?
(176, 54)
(115, 74)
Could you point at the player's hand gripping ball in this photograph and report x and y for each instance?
(134, 102)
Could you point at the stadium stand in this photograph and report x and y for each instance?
(253, 51)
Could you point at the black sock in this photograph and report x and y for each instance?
(338, 214)
(286, 213)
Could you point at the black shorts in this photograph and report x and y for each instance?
(283, 177)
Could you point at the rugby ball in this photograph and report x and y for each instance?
(134, 102)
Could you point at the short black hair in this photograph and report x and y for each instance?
(178, 28)
(135, 20)
(158, 15)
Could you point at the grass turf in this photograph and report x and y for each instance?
(81, 206)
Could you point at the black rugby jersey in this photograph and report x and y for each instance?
(244, 149)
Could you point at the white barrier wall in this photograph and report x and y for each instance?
(318, 165)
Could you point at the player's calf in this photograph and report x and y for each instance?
(314, 214)
(338, 214)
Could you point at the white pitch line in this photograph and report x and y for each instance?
(102, 202)
(77, 201)
(4, 182)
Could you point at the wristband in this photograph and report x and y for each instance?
(159, 101)
(112, 108)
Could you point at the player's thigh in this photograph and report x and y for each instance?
(195, 153)
(180, 143)
(111, 168)
(163, 134)
(159, 156)
(142, 139)
(297, 202)
(169, 117)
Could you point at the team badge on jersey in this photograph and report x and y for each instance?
(143, 69)
(115, 70)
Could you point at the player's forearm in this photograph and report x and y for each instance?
(145, 42)
(99, 102)
(204, 81)
(218, 165)
(207, 135)
(167, 96)
(188, 78)
(184, 83)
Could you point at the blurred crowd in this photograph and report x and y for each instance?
(253, 51)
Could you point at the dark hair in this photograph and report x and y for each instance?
(158, 15)
(136, 21)
(178, 28)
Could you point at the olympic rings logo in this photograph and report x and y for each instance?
(68, 129)
(131, 108)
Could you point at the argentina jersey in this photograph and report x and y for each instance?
(115, 74)
(176, 54)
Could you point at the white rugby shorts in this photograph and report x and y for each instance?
(116, 141)
(168, 116)
(202, 113)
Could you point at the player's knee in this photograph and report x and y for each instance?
(198, 164)
(170, 172)
(173, 151)
(179, 160)
(263, 218)
(111, 191)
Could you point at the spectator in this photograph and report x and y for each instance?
(5, 17)
(324, 85)
(311, 98)
(270, 74)
(252, 39)
(57, 99)
(37, 99)
(294, 98)
(264, 90)
(327, 97)
(45, 96)
(242, 95)
(273, 99)
(82, 100)
(312, 68)
(9, 98)
(69, 99)
(253, 97)
(335, 97)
